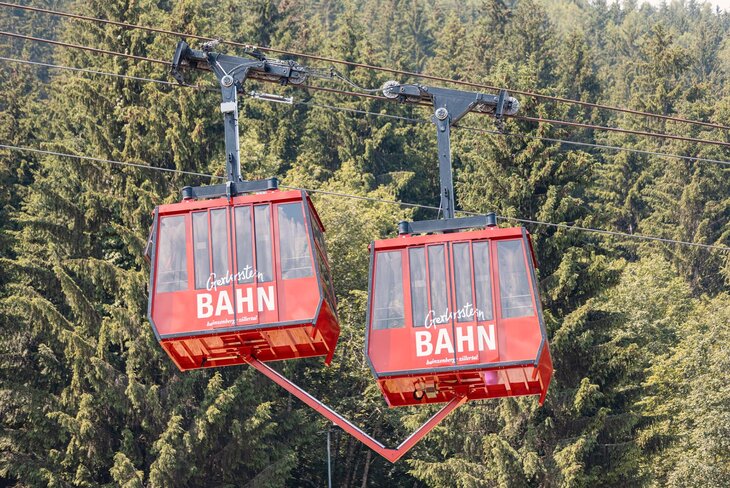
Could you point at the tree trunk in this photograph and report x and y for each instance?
(368, 457)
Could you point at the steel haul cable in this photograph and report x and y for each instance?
(367, 95)
(380, 200)
(366, 66)
(390, 116)
(85, 48)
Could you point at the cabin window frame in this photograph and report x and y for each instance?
(242, 233)
(445, 261)
(490, 279)
(323, 267)
(229, 255)
(286, 240)
(525, 284)
(204, 252)
(425, 299)
(397, 281)
(181, 284)
(451, 284)
(458, 286)
(264, 242)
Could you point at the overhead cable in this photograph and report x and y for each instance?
(390, 202)
(95, 72)
(365, 66)
(107, 161)
(390, 116)
(367, 95)
(85, 48)
(619, 129)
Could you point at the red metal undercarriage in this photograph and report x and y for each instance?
(474, 384)
(268, 344)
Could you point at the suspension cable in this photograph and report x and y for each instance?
(390, 116)
(378, 97)
(95, 72)
(85, 48)
(366, 66)
(619, 129)
(381, 200)
(107, 161)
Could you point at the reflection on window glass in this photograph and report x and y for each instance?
(318, 235)
(264, 249)
(201, 256)
(514, 288)
(388, 300)
(219, 242)
(483, 280)
(325, 278)
(296, 261)
(462, 280)
(437, 281)
(244, 245)
(419, 292)
(172, 263)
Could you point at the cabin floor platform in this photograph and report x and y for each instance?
(232, 348)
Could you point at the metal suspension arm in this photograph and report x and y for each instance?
(391, 455)
(231, 72)
(256, 66)
(449, 105)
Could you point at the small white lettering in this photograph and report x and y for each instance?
(466, 312)
(246, 274)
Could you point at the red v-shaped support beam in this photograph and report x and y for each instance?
(391, 455)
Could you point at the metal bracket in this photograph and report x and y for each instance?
(231, 72)
(391, 455)
(229, 189)
(447, 225)
(450, 106)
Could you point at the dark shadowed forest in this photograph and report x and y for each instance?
(639, 329)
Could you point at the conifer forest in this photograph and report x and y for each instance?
(639, 328)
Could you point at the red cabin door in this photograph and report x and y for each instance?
(432, 331)
(255, 265)
(475, 330)
(213, 280)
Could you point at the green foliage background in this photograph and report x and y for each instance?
(639, 330)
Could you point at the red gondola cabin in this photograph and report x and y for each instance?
(241, 276)
(456, 314)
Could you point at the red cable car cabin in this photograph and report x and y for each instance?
(260, 255)
(456, 313)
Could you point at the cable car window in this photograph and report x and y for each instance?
(219, 242)
(262, 225)
(318, 235)
(437, 281)
(483, 280)
(296, 261)
(244, 245)
(419, 292)
(514, 288)
(388, 309)
(326, 279)
(462, 281)
(172, 263)
(201, 255)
